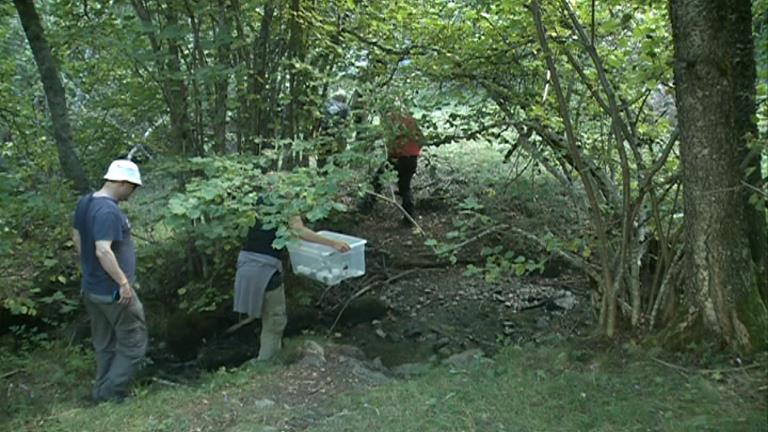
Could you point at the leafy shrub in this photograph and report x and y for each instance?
(38, 266)
(220, 201)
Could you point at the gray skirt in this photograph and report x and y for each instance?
(254, 272)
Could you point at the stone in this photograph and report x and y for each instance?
(312, 354)
(350, 351)
(466, 359)
(407, 370)
(368, 375)
(542, 323)
(441, 343)
(364, 310)
(567, 301)
(263, 403)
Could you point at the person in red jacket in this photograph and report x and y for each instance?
(404, 140)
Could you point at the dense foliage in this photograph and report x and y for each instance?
(226, 102)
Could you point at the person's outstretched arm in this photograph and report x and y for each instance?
(297, 226)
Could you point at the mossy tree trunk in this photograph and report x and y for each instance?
(723, 284)
(751, 158)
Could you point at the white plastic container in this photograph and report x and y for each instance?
(324, 263)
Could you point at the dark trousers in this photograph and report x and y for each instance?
(406, 168)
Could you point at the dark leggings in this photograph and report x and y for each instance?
(406, 168)
(274, 282)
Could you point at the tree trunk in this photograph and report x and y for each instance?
(223, 39)
(199, 88)
(54, 93)
(296, 49)
(746, 127)
(722, 286)
(608, 283)
(173, 86)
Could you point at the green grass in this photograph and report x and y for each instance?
(545, 389)
(561, 387)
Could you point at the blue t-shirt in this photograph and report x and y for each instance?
(99, 218)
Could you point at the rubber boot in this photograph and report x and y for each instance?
(273, 321)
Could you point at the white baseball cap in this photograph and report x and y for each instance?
(123, 170)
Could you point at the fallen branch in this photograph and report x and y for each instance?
(477, 237)
(242, 323)
(368, 279)
(399, 207)
(731, 369)
(573, 259)
(671, 365)
(364, 290)
(706, 371)
(166, 382)
(11, 373)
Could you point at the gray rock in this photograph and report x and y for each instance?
(407, 370)
(466, 359)
(441, 343)
(542, 323)
(361, 371)
(567, 301)
(264, 403)
(413, 330)
(350, 351)
(312, 354)
(364, 310)
(378, 364)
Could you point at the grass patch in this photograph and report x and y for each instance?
(561, 387)
(555, 389)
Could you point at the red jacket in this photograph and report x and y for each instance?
(406, 138)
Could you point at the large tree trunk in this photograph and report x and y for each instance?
(723, 280)
(54, 93)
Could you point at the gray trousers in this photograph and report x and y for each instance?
(273, 321)
(119, 335)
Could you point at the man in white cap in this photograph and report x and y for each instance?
(102, 237)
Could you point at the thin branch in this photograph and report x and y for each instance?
(11, 373)
(167, 383)
(575, 260)
(665, 284)
(364, 290)
(394, 202)
(235, 327)
(446, 139)
(476, 237)
(707, 371)
(754, 189)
